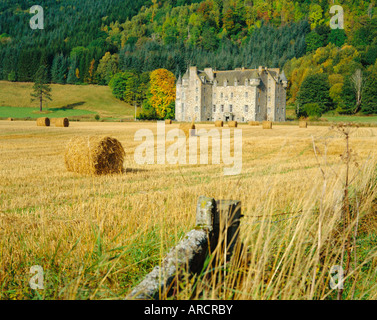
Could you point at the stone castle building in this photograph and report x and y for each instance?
(242, 95)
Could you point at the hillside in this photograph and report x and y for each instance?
(89, 44)
(69, 100)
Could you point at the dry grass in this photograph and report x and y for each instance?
(96, 237)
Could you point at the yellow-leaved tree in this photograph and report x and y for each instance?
(162, 93)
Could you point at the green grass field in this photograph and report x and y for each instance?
(68, 101)
(23, 112)
(331, 117)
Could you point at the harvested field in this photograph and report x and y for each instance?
(98, 236)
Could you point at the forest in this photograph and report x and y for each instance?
(90, 42)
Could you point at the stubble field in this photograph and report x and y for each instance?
(96, 237)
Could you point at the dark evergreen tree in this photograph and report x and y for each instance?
(41, 89)
(314, 89)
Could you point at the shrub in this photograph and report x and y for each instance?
(311, 110)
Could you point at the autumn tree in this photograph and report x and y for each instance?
(107, 68)
(162, 93)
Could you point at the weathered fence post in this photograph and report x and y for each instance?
(227, 224)
(213, 219)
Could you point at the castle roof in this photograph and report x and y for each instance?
(283, 77)
(239, 75)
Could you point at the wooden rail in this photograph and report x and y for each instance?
(217, 226)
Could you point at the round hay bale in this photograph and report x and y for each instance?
(233, 124)
(43, 122)
(303, 124)
(267, 124)
(219, 123)
(62, 122)
(94, 155)
(10, 119)
(254, 123)
(168, 121)
(188, 129)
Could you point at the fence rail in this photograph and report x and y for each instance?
(217, 224)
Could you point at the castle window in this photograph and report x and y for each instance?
(183, 108)
(246, 95)
(222, 108)
(231, 95)
(196, 109)
(222, 95)
(204, 99)
(246, 109)
(197, 89)
(278, 111)
(214, 96)
(196, 98)
(214, 108)
(246, 82)
(205, 109)
(230, 108)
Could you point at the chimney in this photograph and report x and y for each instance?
(193, 70)
(210, 74)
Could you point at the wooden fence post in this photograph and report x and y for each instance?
(227, 224)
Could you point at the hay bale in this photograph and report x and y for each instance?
(232, 124)
(254, 123)
(219, 123)
(187, 128)
(94, 155)
(10, 119)
(62, 122)
(267, 124)
(43, 122)
(303, 124)
(168, 121)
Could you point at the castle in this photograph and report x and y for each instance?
(241, 95)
